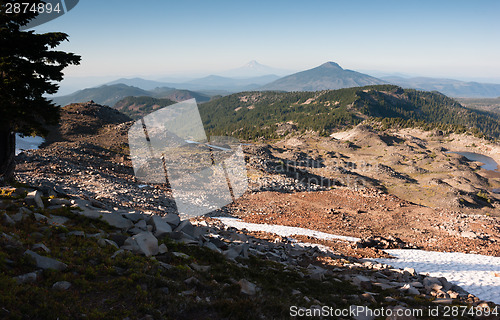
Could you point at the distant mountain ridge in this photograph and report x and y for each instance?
(328, 76)
(449, 87)
(210, 82)
(111, 94)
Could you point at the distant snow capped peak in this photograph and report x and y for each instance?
(254, 69)
(254, 64)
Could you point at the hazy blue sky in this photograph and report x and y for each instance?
(153, 38)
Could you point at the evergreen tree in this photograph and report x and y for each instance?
(28, 70)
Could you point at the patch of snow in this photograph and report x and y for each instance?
(283, 231)
(473, 272)
(27, 143)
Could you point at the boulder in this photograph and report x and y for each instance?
(247, 287)
(41, 246)
(26, 278)
(61, 285)
(35, 198)
(186, 227)
(57, 220)
(116, 220)
(7, 220)
(172, 219)
(147, 243)
(45, 262)
(160, 226)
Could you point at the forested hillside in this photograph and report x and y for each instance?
(249, 115)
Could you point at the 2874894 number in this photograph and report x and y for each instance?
(454, 311)
(23, 7)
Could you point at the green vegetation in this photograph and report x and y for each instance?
(249, 115)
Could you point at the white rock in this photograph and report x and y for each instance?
(35, 198)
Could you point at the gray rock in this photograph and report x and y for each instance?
(7, 220)
(172, 219)
(443, 301)
(135, 230)
(192, 280)
(367, 296)
(61, 285)
(199, 268)
(147, 243)
(46, 262)
(39, 216)
(105, 242)
(118, 252)
(25, 210)
(164, 290)
(77, 233)
(162, 249)
(161, 227)
(133, 216)
(57, 220)
(180, 255)
(211, 246)
(59, 201)
(141, 224)
(18, 217)
(231, 253)
(247, 287)
(410, 289)
(116, 220)
(27, 278)
(186, 227)
(40, 246)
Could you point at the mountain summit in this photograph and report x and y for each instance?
(331, 64)
(328, 76)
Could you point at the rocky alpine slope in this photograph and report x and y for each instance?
(81, 238)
